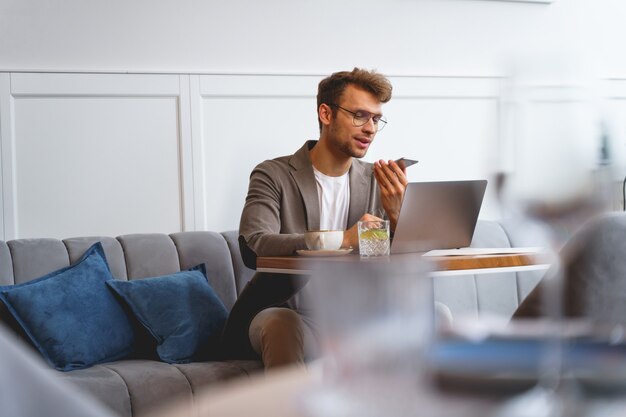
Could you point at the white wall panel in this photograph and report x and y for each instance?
(245, 120)
(93, 85)
(174, 152)
(448, 123)
(97, 154)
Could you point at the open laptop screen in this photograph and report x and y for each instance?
(438, 215)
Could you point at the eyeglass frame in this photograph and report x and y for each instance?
(370, 116)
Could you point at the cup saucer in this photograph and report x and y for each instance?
(324, 252)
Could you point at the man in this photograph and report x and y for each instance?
(322, 186)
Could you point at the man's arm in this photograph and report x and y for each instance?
(260, 223)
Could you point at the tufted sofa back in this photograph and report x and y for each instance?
(133, 256)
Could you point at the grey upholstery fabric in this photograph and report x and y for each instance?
(150, 384)
(6, 278)
(490, 234)
(491, 293)
(149, 255)
(458, 293)
(33, 258)
(495, 293)
(596, 270)
(533, 235)
(527, 282)
(97, 380)
(29, 388)
(6, 265)
(473, 295)
(243, 274)
(209, 248)
(112, 249)
(202, 374)
(249, 366)
(594, 274)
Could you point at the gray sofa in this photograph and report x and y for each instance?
(134, 387)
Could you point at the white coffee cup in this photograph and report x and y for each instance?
(323, 239)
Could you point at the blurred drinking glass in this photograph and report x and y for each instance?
(555, 159)
(375, 320)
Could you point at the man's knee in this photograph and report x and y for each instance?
(280, 325)
(277, 335)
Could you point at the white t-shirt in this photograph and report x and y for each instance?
(334, 198)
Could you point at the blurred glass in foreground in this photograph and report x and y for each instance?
(375, 319)
(29, 388)
(556, 159)
(557, 145)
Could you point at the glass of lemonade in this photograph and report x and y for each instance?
(374, 238)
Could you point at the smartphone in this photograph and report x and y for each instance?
(406, 162)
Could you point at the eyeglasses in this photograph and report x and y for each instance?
(361, 117)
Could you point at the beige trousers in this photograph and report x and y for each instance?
(282, 337)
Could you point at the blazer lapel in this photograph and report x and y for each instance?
(305, 180)
(360, 180)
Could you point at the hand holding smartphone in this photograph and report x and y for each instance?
(404, 163)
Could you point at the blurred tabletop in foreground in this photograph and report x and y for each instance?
(465, 263)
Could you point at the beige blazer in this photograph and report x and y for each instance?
(282, 202)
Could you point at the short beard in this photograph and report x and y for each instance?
(346, 149)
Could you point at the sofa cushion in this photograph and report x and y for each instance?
(210, 249)
(152, 386)
(243, 274)
(76, 246)
(202, 374)
(149, 255)
(6, 278)
(181, 311)
(6, 265)
(33, 258)
(103, 384)
(70, 315)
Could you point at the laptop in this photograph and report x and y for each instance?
(438, 215)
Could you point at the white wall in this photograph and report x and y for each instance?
(129, 153)
(424, 37)
(183, 133)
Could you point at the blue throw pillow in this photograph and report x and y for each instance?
(181, 311)
(70, 315)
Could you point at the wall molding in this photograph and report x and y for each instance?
(258, 88)
(197, 146)
(7, 186)
(25, 86)
(614, 88)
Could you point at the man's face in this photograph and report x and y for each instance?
(342, 134)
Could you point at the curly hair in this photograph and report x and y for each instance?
(332, 87)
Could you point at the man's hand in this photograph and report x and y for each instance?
(351, 236)
(392, 183)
